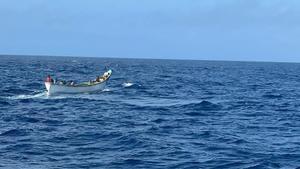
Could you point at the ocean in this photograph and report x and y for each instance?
(152, 114)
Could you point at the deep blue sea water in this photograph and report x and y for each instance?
(152, 114)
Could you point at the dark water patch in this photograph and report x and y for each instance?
(7, 118)
(240, 141)
(212, 83)
(52, 122)
(159, 120)
(205, 134)
(34, 85)
(29, 119)
(272, 96)
(48, 129)
(16, 132)
(285, 110)
(15, 91)
(27, 100)
(165, 76)
(132, 162)
(58, 139)
(4, 103)
(255, 87)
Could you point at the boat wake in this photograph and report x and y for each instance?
(93, 95)
(38, 94)
(43, 95)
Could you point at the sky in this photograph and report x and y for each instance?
(250, 30)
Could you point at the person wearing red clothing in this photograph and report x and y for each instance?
(49, 79)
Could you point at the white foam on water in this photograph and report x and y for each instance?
(29, 96)
(106, 90)
(127, 84)
(91, 96)
(44, 95)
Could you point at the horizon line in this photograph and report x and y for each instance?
(148, 58)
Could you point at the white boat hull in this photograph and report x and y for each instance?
(55, 89)
(82, 88)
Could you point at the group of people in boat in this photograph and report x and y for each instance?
(99, 79)
(72, 83)
(59, 82)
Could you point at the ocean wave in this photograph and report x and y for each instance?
(203, 105)
(172, 104)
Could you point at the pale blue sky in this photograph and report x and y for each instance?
(261, 30)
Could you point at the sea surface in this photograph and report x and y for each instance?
(153, 114)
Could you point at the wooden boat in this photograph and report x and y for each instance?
(87, 87)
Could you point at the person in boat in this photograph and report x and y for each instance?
(60, 82)
(55, 81)
(49, 79)
(98, 79)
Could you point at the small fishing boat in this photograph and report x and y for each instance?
(55, 87)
